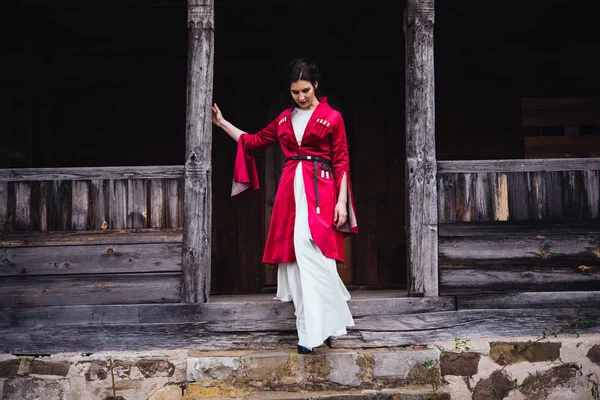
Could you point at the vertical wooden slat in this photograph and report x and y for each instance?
(574, 206)
(22, 192)
(554, 195)
(174, 203)
(447, 198)
(464, 197)
(537, 195)
(499, 196)
(196, 269)
(483, 197)
(3, 206)
(421, 186)
(157, 203)
(39, 206)
(518, 196)
(59, 205)
(591, 183)
(80, 205)
(100, 201)
(118, 204)
(137, 203)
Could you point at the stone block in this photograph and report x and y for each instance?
(496, 387)
(312, 369)
(462, 364)
(541, 385)
(260, 367)
(171, 392)
(594, 354)
(397, 364)
(29, 388)
(96, 371)
(155, 368)
(9, 368)
(504, 353)
(211, 368)
(345, 368)
(39, 367)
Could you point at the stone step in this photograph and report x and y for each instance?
(364, 372)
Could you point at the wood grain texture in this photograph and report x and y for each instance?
(137, 203)
(156, 202)
(483, 197)
(421, 168)
(60, 199)
(174, 198)
(520, 228)
(591, 182)
(89, 289)
(80, 205)
(22, 210)
(118, 204)
(89, 173)
(516, 279)
(518, 196)
(100, 202)
(529, 300)
(92, 259)
(91, 237)
(370, 332)
(39, 205)
(198, 169)
(519, 165)
(3, 206)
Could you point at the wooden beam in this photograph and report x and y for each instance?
(197, 207)
(529, 300)
(88, 173)
(421, 187)
(563, 164)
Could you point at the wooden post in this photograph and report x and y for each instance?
(197, 207)
(421, 189)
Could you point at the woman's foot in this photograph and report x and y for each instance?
(304, 350)
(328, 342)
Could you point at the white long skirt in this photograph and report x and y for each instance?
(312, 282)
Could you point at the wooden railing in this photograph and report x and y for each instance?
(108, 235)
(59, 199)
(514, 225)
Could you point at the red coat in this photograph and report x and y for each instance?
(325, 136)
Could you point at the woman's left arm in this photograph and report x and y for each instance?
(341, 169)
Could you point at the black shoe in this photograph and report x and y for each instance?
(304, 350)
(328, 342)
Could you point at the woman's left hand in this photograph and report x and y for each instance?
(340, 214)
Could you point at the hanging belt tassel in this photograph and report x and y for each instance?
(318, 210)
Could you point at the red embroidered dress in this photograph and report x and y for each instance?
(325, 137)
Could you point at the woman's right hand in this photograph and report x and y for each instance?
(217, 116)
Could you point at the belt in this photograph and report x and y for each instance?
(325, 169)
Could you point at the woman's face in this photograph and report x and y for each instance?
(303, 93)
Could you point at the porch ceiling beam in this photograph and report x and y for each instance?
(197, 205)
(421, 189)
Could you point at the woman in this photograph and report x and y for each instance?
(313, 208)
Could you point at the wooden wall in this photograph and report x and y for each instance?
(519, 225)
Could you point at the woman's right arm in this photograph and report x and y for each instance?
(228, 127)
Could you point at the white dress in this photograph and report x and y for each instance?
(311, 282)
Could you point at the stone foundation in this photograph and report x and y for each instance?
(558, 368)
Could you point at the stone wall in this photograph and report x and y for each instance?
(517, 368)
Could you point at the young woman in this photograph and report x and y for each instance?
(314, 206)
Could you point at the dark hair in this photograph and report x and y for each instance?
(303, 69)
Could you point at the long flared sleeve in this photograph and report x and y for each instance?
(341, 165)
(245, 175)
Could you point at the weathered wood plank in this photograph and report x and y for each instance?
(100, 203)
(542, 250)
(591, 182)
(537, 195)
(483, 197)
(89, 173)
(90, 289)
(573, 203)
(204, 312)
(465, 201)
(499, 196)
(554, 195)
(518, 196)
(513, 279)
(39, 206)
(90, 237)
(118, 204)
(560, 111)
(447, 198)
(195, 286)
(174, 210)
(421, 168)
(370, 332)
(529, 300)
(100, 259)
(3, 206)
(22, 219)
(519, 165)
(157, 204)
(80, 205)
(137, 203)
(519, 228)
(59, 205)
